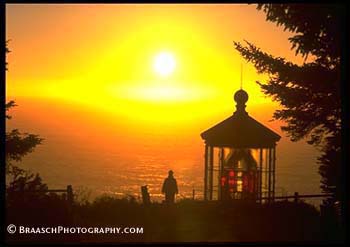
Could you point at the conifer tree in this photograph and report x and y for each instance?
(309, 94)
(17, 145)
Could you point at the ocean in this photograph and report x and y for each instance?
(102, 153)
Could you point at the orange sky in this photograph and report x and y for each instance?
(84, 79)
(102, 56)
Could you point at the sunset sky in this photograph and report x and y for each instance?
(121, 93)
(106, 56)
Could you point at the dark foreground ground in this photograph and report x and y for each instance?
(185, 221)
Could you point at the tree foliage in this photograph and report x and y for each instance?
(7, 50)
(24, 186)
(20, 144)
(17, 145)
(309, 94)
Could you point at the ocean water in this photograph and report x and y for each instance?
(100, 153)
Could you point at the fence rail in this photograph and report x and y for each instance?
(68, 190)
(296, 196)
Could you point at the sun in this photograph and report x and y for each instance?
(164, 64)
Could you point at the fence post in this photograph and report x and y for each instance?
(296, 197)
(145, 195)
(193, 194)
(70, 196)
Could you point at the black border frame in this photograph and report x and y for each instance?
(345, 90)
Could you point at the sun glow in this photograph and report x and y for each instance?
(164, 64)
(144, 68)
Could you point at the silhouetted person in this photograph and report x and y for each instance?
(170, 188)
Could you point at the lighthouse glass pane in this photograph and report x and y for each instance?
(239, 186)
(241, 164)
(265, 173)
(216, 159)
(241, 158)
(238, 173)
(215, 171)
(207, 171)
(227, 152)
(255, 154)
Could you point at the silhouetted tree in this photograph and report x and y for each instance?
(17, 145)
(309, 93)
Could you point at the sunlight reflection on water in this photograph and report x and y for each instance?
(107, 158)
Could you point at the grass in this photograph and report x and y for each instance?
(184, 221)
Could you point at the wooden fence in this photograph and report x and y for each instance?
(68, 191)
(296, 197)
